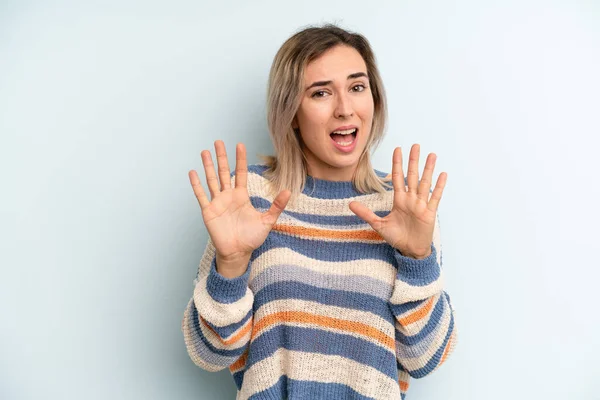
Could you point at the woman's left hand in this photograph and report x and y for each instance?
(409, 225)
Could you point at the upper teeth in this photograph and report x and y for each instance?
(346, 132)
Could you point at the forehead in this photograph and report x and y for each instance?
(336, 63)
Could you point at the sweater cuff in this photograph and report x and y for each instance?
(226, 290)
(423, 271)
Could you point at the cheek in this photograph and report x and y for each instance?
(314, 118)
(318, 113)
(366, 107)
(365, 112)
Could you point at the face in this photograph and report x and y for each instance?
(337, 98)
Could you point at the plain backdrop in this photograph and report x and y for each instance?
(106, 106)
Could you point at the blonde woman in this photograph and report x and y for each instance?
(321, 278)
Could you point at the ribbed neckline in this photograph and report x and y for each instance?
(325, 189)
(322, 188)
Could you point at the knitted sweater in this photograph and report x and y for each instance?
(326, 308)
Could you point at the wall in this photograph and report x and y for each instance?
(105, 106)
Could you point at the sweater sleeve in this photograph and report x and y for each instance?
(424, 317)
(217, 321)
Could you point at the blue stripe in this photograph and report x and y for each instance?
(417, 272)
(226, 331)
(400, 366)
(226, 290)
(205, 349)
(432, 324)
(288, 388)
(435, 360)
(399, 309)
(319, 341)
(343, 220)
(297, 290)
(326, 251)
(238, 378)
(323, 189)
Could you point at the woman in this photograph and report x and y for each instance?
(340, 296)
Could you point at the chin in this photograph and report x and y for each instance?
(345, 162)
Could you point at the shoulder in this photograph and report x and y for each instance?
(382, 174)
(386, 176)
(256, 183)
(253, 169)
(257, 169)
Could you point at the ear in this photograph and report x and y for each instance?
(295, 123)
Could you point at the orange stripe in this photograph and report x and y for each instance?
(418, 314)
(403, 386)
(240, 362)
(363, 234)
(447, 349)
(329, 322)
(234, 339)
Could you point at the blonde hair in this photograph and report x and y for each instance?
(288, 169)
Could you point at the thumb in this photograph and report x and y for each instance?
(364, 213)
(277, 207)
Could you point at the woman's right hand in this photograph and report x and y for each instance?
(235, 227)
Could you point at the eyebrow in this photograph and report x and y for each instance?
(325, 83)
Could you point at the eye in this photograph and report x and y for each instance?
(360, 86)
(319, 93)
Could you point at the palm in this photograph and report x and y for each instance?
(233, 223)
(410, 223)
(235, 227)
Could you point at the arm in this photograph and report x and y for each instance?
(424, 316)
(217, 322)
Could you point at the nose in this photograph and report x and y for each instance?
(343, 108)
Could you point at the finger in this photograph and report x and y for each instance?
(436, 196)
(241, 166)
(425, 183)
(198, 190)
(279, 203)
(413, 168)
(211, 177)
(365, 214)
(398, 174)
(223, 165)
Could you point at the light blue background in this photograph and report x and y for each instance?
(105, 106)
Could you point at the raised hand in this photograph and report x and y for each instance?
(235, 227)
(409, 225)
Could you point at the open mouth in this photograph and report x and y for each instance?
(344, 138)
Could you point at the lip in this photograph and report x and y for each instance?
(343, 128)
(346, 149)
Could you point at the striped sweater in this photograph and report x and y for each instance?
(326, 308)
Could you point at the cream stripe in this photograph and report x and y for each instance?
(206, 260)
(414, 357)
(420, 324)
(337, 240)
(258, 185)
(332, 330)
(404, 292)
(377, 269)
(221, 314)
(316, 367)
(214, 339)
(437, 240)
(319, 309)
(290, 220)
(191, 345)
